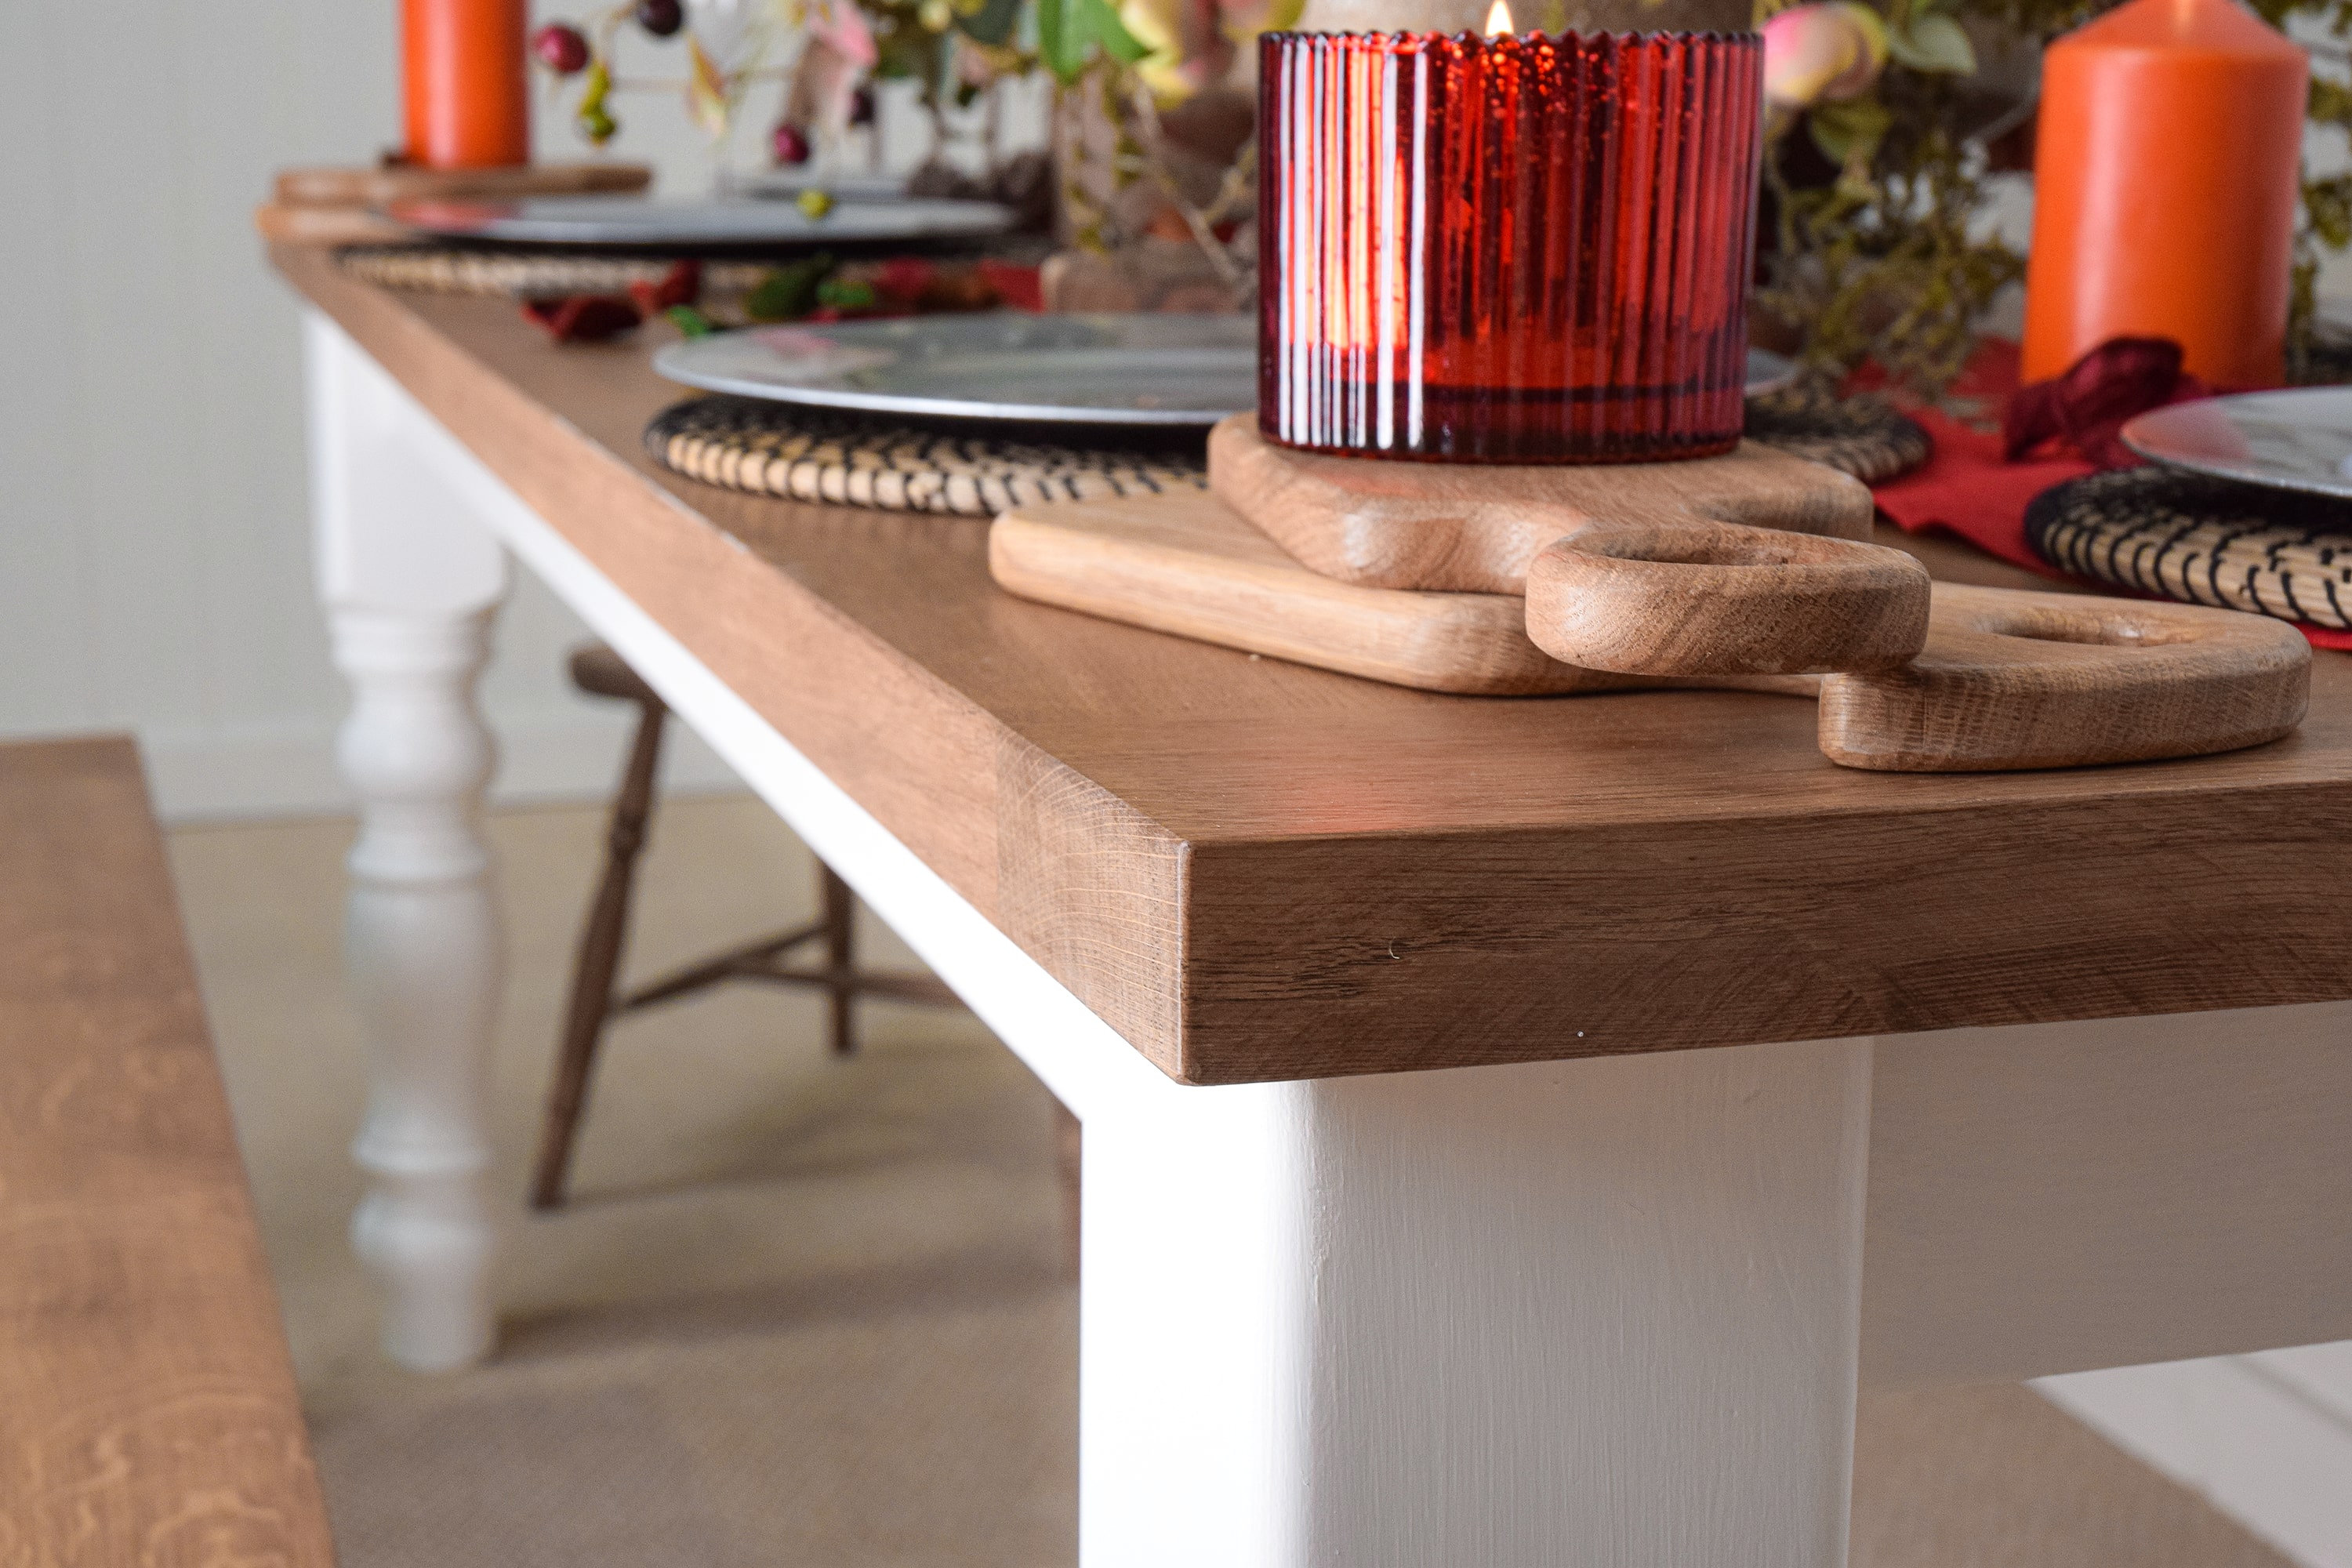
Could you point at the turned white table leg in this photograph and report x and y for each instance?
(1601, 1313)
(410, 581)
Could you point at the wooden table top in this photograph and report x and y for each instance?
(1254, 870)
(150, 1410)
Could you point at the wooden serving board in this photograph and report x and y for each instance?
(388, 183)
(338, 206)
(2009, 678)
(2017, 680)
(1184, 562)
(1475, 528)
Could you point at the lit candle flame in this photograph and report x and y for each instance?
(1498, 20)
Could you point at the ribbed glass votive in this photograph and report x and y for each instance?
(1513, 249)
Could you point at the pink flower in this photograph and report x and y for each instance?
(841, 26)
(1824, 53)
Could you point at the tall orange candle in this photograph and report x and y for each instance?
(468, 87)
(2165, 189)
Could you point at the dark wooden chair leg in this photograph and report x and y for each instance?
(601, 941)
(840, 957)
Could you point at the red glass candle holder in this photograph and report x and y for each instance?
(1511, 249)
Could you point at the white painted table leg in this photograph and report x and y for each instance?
(1603, 1314)
(410, 581)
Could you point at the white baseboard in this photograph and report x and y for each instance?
(229, 774)
(2261, 1437)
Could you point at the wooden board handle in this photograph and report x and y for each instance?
(1473, 528)
(2014, 679)
(1721, 598)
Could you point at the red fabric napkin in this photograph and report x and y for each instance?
(1968, 486)
(1021, 286)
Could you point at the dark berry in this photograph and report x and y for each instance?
(560, 48)
(790, 144)
(660, 17)
(861, 105)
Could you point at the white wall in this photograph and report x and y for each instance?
(154, 568)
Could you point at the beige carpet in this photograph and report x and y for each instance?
(809, 1312)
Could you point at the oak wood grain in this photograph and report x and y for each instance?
(1991, 679)
(1371, 878)
(280, 225)
(2041, 681)
(1185, 562)
(1474, 527)
(1721, 598)
(148, 1413)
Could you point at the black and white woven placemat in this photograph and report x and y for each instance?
(2201, 540)
(1863, 436)
(814, 454)
(810, 454)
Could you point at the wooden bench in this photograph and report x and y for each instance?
(148, 1413)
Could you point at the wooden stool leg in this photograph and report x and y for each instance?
(600, 960)
(840, 956)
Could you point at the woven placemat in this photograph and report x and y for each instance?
(809, 453)
(523, 275)
(2201, 540)
(814, 454)
(1863, 436)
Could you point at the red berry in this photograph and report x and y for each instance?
(560, 48)
(861, 105)
(790, 144)
(660, 17)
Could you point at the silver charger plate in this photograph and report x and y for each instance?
(784, 185)
(1768, 372)
(1162, 370)
(649, 221)
(2294, 440)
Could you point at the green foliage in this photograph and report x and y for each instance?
(1070, 31)
(1879, 262)
(789, 292)
(1934, 43)
(990, 22)
(2326, 201)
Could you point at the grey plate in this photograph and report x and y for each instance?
(786, 184)
(2297, 440)
(1768, 372)
(1163, 371)
(639, 220)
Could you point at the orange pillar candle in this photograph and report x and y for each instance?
(468, 87)
(2165, 180)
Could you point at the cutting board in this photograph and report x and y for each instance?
(1184, 562)
(335, 206)
(1475, 528)
(2007, 679)
(384, 184)
(2014, 680)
